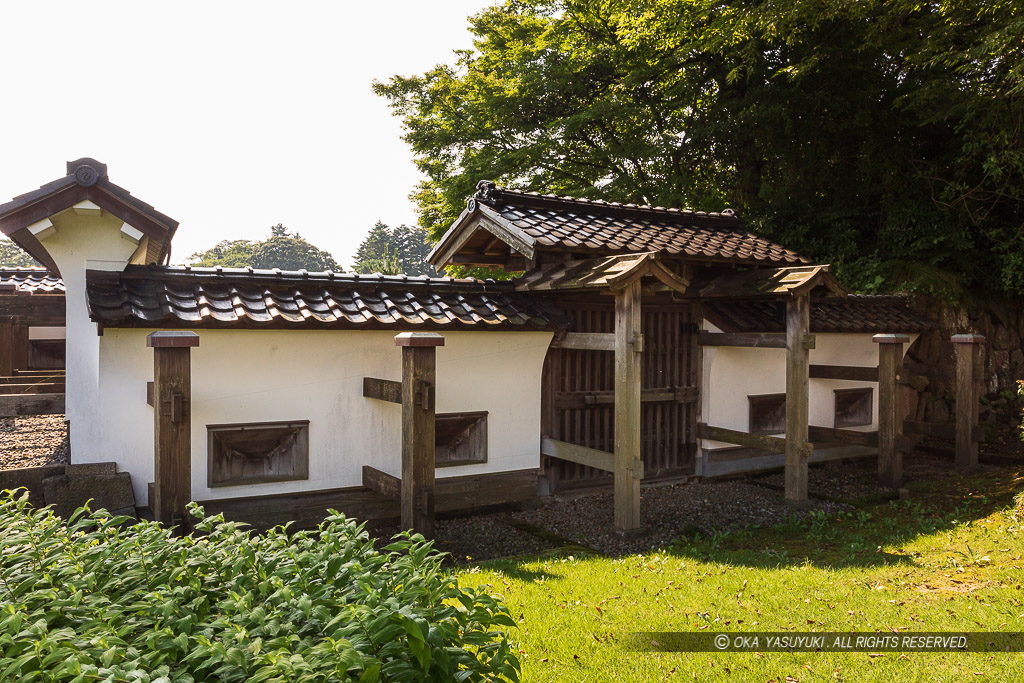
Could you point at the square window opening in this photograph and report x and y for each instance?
(767, 414)
(853, 407)
(257, 452)
(460, 438)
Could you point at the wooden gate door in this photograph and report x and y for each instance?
(578, 400)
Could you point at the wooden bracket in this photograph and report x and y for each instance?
(637, 342)
(425, 395)
(177, 402)
(636, 468)
(427, 502)
(809, 341)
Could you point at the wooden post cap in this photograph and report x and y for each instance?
(967, 339)
(891, 339)
(419, 339)
(172, 340)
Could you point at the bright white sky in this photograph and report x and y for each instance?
(229, 117)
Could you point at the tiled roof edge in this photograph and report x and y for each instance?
(296, 276)
(489, 193)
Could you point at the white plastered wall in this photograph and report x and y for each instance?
(731, 374)
(77, 243)
(243, 376)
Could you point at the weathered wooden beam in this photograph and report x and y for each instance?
(26, 378)
(758, 340)
(419, 361)
(844, 436)
(383, 483)
(718, 467)
(172, 391)
(31, 404)
(798, 323)
(761, 442)
(586, 341)
(382, 389)
(591, 457)
(32, 388)
(851, 372)
(628, 377)
(890, 421)
(968, 348)
(37, 307)
(579, 399)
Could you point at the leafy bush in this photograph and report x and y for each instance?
(97, 600)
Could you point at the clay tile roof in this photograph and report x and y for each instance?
(29, 281)
(181, 296)
(855, 313)
(86, 179)
(574, 224)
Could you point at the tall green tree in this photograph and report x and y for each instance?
(13, 256)
(393, 251)
(283, 249)
(884, 136)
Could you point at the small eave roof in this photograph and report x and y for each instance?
(86, 179)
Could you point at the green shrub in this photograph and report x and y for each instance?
(97, 600)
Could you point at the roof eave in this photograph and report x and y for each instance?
(478, 215)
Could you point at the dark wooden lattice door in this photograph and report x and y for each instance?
(579, 398)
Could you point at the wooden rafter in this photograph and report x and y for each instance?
(612, 273)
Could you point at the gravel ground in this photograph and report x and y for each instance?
(855, 479)
(477, 538)
(32, 441)
(668, 512)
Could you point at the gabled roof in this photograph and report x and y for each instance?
(174, 296)
(607, 272)
(855, 313)
(86, 180)
(498, 222)
(29, 281)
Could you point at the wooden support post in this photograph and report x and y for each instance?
(798, 344)
(6, 348)
(419, 351)
(628, 463)
(14, 347)
(172, 414)
(890, 420)
(968, 350)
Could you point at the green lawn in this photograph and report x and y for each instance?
(948, 559)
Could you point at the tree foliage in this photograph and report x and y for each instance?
(96, 600)
(882, 136)
(283, 249)
(393, 251)
(13, 256)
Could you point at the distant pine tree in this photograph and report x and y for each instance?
(391, 251)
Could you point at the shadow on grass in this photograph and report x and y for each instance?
(857, 538)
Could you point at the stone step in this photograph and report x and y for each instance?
(90, 468)
(110, 491)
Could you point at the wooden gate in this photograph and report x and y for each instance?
(578, 400)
